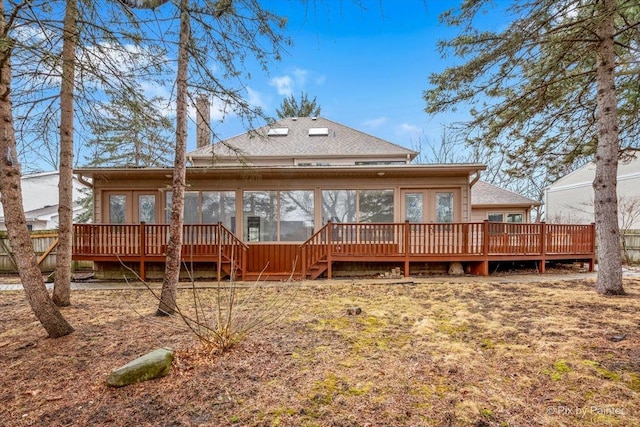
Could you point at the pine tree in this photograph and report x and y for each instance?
(291, 108)
(558, 84)
(130, 131)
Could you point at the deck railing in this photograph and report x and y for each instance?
(481, 240)
(148, 242)
(478, 242)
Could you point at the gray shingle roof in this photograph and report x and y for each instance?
(339, 140)
(483, 193)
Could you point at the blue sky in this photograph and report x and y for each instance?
(368, 67)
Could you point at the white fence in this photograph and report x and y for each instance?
(631, 246)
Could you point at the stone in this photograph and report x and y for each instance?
(152, 365)
(354, 311)
(455, 269)
(616, 337)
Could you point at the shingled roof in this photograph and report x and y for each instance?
(485, 194)
(304, 137)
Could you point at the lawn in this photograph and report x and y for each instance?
(435, 351)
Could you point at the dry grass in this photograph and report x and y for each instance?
(465, 353)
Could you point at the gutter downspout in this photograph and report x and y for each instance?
(84, 181)
(475, 179)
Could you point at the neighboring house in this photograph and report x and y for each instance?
(300, 195)
(40, 200)
(499, 205)
(570, 199)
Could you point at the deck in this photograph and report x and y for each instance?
(474, 244)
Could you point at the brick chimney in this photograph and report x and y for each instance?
(203, 124)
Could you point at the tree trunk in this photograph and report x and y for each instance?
(11, 198)
(609, 280)
(167, 304)
(62, 286)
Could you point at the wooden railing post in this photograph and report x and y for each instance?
(303, 257)
(543, 247)
(485, 247)
(143, 249)
(593, 247)
(219, 242)
(328, 239)
(407, 247)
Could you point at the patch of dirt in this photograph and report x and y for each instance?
(428, 352)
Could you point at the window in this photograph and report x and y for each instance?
(414, 207)
(260, 209)
(318, 131)
(338, 206)
(357, 206)
(219, 206)
(285, 216)
(147, 208)
(510, 217)
(375, 206)
(207, 207)
(495, 217)
(514, 217)
(117, 208)
(278, 132)
(429, 205)
(444, 207)
(296, 215)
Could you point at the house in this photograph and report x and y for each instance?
(304, 195)
(489, 202)
(570, 199)
(40, 200)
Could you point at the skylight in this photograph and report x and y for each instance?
(318, 131)
(278, 132)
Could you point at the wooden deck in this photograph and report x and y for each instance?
(475, 244)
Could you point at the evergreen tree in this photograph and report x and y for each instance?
(130, 131)
(547, 91)
(291, 108)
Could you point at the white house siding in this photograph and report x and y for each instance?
(570, 199)
(40, 200)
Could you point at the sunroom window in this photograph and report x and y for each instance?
(285, 216)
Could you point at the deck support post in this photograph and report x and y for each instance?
(407, 247)
(329, 233)
(484, 271)
(143, 250)
(219, 262)
(592, 260)
(543, 247)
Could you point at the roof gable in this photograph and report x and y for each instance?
(304, 137)
(485, 194)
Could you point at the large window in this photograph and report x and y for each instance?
(219, 206)
(357, 206)
(260, 210)
(375, 206)
(206, 207)
(285, 216)
(338, 206)
(296, 215)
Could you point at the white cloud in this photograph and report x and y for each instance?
(300, 77)
(296, 81)
(254, 98)
(284, 85)
(375, 123)
(409, 129)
